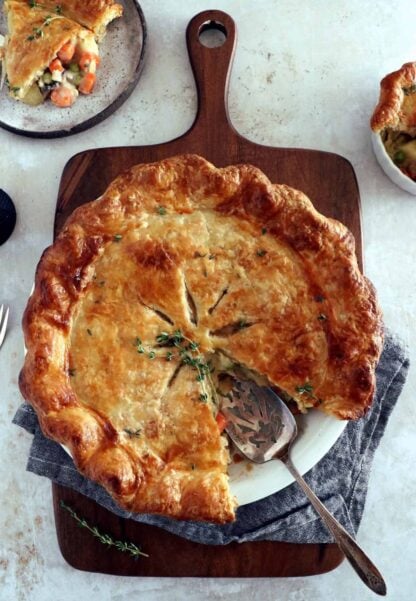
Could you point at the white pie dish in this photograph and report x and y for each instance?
(390, 169)
(250, 482)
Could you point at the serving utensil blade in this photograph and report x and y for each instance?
(262, 428)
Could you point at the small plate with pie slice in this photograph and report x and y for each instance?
(67, 66)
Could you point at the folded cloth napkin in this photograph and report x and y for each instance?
(340, 479)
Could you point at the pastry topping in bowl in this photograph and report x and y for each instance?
(48, 55)
(140, 318)
(394, 118)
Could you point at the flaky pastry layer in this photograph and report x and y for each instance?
(396, 108)
(93, 14)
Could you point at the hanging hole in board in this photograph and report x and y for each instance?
(212, 34)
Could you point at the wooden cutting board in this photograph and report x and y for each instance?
(329, 181)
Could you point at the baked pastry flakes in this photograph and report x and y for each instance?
(178, 274)
(47, 54)
(394, 117)
(93, 14)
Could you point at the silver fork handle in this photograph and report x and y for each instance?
(364, 567)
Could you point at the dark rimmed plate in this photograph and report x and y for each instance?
(122, 53)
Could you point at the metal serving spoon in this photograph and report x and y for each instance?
(262, 427)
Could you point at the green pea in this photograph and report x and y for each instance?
(399, 157)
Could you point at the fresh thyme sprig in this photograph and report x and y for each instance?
(104, 538)
(306, 388)
(38, 31)
(187, 353)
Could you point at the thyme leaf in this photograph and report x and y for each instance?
(139, 346)
(37, 32)
(104, 538)
(307, 389)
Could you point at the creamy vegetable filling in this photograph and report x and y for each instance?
(70, 73)
(401, 148)
(401, 145)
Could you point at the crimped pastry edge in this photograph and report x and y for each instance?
(44, 381)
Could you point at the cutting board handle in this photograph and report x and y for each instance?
(211, 68)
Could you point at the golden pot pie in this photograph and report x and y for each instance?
(48, 55)
(177, 275)
(394, 117)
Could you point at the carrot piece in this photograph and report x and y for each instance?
(56, 65)
(62, 97)
(67, 52)
(86, 59)
(87, 83)
(221, 421)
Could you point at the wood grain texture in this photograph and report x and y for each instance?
(329, 181)
(170, 555)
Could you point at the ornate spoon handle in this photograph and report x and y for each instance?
(364, 567)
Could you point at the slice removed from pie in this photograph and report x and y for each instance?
(178, 275)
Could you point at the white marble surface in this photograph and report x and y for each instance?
(305, 74)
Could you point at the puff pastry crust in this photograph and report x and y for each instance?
(248, 270)
(396, 108)
(35, 38)
(93, 14)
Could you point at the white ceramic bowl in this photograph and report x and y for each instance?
(389, 168)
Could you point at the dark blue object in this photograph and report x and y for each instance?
(7, 216)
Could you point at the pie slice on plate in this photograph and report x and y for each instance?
(179, 275)
(48, 55)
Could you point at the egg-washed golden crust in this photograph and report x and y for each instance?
(246, 269)
(396, 108)
(35, 38)
(94, 14)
